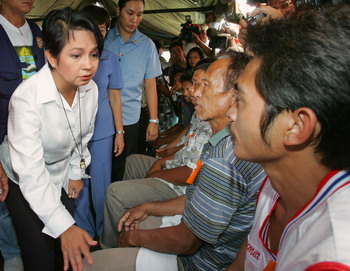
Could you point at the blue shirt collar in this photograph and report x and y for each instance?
(215, 139)
(135, 38)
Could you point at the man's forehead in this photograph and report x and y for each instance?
(217, 68)
(175, 48)
(198, 74)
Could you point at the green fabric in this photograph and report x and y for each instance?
(162, 26)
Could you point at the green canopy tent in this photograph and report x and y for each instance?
(162, 18)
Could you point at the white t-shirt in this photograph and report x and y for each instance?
(22, 40)
(317, 238)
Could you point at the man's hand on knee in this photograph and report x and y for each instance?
(132, 218)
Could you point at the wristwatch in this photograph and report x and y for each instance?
(154, 120)
(120, 132)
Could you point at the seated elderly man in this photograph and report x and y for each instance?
(150, 179)
(219, 206)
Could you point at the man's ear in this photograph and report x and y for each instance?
(303, 127)
(51, 59)
(118, 11)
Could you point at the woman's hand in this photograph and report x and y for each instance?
(152, 131)
(74, 188)
(75, 242)
(118, 144)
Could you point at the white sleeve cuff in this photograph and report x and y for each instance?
(76, 173)
(58, 223)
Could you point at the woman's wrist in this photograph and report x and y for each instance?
(154, 121)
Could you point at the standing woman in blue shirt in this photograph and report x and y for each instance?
(108, 122)
(140, 66)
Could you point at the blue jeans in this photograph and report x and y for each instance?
(8, 241)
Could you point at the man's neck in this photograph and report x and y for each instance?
(126, 36)
(16, 19)
(218, 124)
(296, 178)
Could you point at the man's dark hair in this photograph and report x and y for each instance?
(122, 3)
(305, 62)
(187, 76)
(238, 62)
(175, 43)
(98, 14)
(177, 70)
(158, 45)
(58, 24)
(204, 63)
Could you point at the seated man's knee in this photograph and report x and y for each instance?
(118, 193)
(129, 159)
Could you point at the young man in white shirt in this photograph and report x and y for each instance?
(292, 115)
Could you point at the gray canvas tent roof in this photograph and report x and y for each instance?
(162, 18)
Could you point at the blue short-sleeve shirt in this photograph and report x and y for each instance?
(139, 60)
(108, 76)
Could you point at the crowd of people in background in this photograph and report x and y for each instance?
(224, 157)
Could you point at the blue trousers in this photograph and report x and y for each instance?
(8, 241)
(93, 193)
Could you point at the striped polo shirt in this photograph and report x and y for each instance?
(220, 204)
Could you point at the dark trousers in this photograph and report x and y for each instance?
(143, 124)
(40, 252)
(130, 141)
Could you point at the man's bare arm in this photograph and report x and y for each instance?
(134, 216)
(174, 240)
(177, 176)
(238, 264)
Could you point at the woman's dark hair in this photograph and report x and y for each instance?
(194, 49)
(98, 14)
(122, 3)
(58, 24)
(304, 62)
